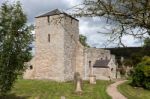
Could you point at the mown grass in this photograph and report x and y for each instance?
(133, 93)
(37, 89)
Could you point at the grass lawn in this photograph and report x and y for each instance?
(133, 93)
(36, 89)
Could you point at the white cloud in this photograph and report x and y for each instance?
(131, 41)
(88, 26)
(74, 2)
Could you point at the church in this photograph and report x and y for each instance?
(59, 54)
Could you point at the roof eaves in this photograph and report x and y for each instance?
(47, 15)
(100, 66)
(57, 14)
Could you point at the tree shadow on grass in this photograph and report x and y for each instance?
(13, 96)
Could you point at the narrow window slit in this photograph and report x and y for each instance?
(48, 19)
(48, 37)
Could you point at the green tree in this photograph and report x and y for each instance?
(146, 47)
(15, 40)
(147, 42)
(83, 40)
(141, 75)
(136, 57)
(130, 17)
(128, 62)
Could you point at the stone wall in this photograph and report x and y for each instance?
(80, 62)
(102, 73)
(71, 37)
(29, 74)
(113, 66)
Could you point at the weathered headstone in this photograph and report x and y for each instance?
(78, 82)
(62, 97)
(92, 79)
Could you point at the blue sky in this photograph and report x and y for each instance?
(87, 26)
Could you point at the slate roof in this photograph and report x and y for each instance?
(101, 63)
(55, 12)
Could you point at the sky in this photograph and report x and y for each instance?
(87, 26)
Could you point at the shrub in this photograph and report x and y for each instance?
(141, 74)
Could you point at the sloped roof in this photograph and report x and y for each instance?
(101, 63)
(55, 12)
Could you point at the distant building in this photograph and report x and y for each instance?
(59, 54)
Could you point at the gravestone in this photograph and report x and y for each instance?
(78, 82)
(62, 97)
(92, 79)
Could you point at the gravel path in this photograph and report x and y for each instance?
(113, 92)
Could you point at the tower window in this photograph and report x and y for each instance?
(48, 19)
(89, 63)
(31, 67)
(48, 37)
(111, 69)
(71, 21)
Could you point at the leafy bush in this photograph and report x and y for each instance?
(141, 75)
(15, 41)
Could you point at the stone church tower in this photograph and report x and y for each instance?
(56, 34)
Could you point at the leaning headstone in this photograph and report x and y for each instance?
(78, 83)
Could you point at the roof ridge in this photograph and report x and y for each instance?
(55, 12)
(50, 13)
